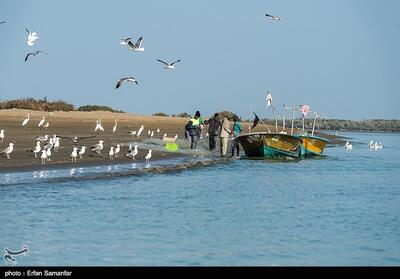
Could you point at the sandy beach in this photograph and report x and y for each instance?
(81, 124)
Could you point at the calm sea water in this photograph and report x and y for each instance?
(343, 209)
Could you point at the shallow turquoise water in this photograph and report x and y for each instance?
(342, 209)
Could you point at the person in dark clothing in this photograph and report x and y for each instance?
(193, 132)
(237, 129)
(214, 125)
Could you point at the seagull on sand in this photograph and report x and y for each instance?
(74, 154)
(117, 150)
(43, 157)
(115, 126)
(56, 144)
(34, 54)
(2, 135)
(8, 150)
(45, 126)
(82, 151)
(48, 152)
(125, 41)
(98, 127)
(137, 46)
(273, 17)
(26, 120)
(169, 65)
(122, 80)
(148, 156)
(111, 153)
(32, 37)
(132, 153)
(41, 122)
(98, 147)
(36, 149)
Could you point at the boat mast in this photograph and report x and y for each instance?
(293, 109)
(276, 120)
(315, 120)
(284, 118)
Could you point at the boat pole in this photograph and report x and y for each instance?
(293, 109)
(284, 118)
(313, 125)
(276, 121)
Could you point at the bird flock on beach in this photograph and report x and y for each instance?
(44, 145)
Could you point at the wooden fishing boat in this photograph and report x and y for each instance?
(269, 145)
(312, 145)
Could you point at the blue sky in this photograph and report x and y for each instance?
(340, 57)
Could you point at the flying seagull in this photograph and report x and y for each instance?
(137, 46)
(122, 80)
(125, 41)
(1, 22)
(169, 65)
(32, 37)
(273, 17)
(75, 140)
(34, 54)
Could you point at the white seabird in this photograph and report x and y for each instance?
(8, 150)
(125, 41)
(32, 37)
(111, 153)
(132, 153)
(169, 65)
(82, 151)
(117, 150)
(122, 80)
(74, 154)
(98, 147)
(348, 145)
(140, 130)
(48, 152)
(44, 156)
(75, 139)
(2, 135)
(36, 149)
(98, 127)
(41, 122)
(148, 156)
(273, 17)
(26, 120)
(34, 54)
(45, 126)
(132, 133)
(115, 126)
(56, 144)
(137, 46)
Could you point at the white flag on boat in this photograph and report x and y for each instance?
(269, 99)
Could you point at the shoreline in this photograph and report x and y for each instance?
(69, 124)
